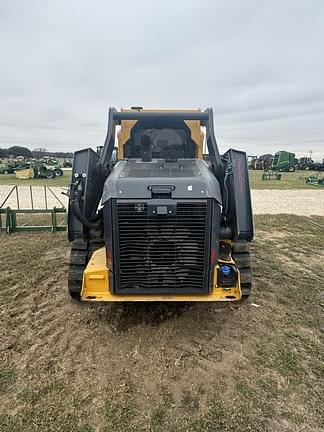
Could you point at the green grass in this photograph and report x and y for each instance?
(39, 414)
(8, 377)
(162, 373)
(294, 180)
(21, 258)
(10, 179)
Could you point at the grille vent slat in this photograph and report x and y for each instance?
(165, 253)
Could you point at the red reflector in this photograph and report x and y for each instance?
(213, 257)
(109, 257)
(109, 253)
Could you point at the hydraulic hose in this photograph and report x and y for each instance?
(228, 171)
(75, 198)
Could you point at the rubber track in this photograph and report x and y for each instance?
(81, 252)
(78, 262)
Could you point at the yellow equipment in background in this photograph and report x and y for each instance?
(25, 174)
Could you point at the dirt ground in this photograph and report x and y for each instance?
(254, 366)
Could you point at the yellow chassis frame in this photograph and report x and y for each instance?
(95, 286)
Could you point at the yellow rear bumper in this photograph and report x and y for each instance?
(95, 286)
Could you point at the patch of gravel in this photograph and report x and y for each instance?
(299, 202)
(268, 201)
(53, 195)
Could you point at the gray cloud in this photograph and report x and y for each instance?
(258, 64)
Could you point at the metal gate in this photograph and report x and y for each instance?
(10, 217)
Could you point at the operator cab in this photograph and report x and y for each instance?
(160, 140)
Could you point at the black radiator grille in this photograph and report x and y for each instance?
(160, 254)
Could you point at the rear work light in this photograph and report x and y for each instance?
(227, 276)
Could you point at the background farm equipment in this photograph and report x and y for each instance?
(305, 163)
(263, 162)
(271, 175)
(3, 168)
(315, 180)
(284, 161)
(67, 163)
(251, 159)
(49, 164)
(319, 166)
(37, 170)
(32, 168)
(43, 171)
(10, 167)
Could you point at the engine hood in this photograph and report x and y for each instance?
(189, 178)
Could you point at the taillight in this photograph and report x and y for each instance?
(213, 256)
(227, 276)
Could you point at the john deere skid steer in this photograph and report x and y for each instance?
(151, 219)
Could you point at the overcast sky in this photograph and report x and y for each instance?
(259, 64)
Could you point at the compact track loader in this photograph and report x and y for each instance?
(153, 219)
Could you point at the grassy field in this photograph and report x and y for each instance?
(294, 180)
(250, 367)
(10, 179)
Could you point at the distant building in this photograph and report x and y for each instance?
(40, 150)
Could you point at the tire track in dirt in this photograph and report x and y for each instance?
(97, 351)
(93, 347)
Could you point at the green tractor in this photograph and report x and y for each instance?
(51, 165)
(3, 167)
(42, 171)
(37, 170)
(58, 171)
(67, 163)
